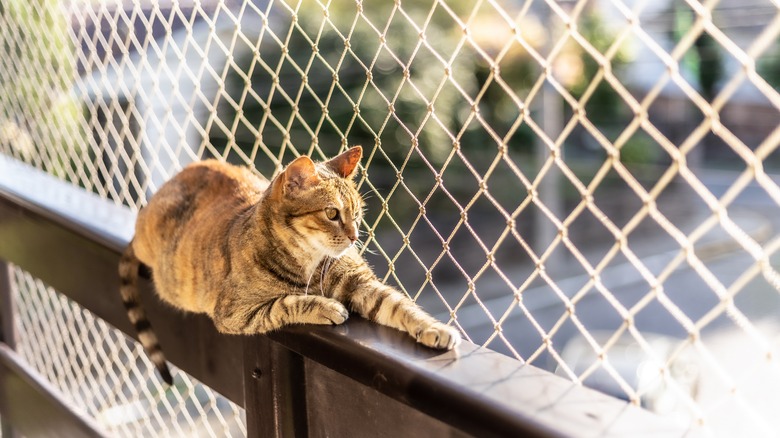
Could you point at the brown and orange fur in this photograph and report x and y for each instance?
(256, 255)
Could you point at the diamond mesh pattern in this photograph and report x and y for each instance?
(115, 382)
(588, 186)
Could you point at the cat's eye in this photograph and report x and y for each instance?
(331, 213)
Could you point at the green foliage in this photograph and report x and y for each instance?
(305, 86)
(705, 60)
(394, 110)
(768, 66)
(37, 41)
(605, 100)
(639, 149)
(37, 110)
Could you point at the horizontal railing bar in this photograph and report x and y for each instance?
(72, 239)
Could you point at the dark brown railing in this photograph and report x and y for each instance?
(358, 379)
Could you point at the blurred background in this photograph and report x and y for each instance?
(587, 186)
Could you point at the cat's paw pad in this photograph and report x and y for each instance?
(439, 335)
(331, 312)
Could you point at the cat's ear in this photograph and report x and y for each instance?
(300, 175)
(346, 164)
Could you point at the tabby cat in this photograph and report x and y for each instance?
(256, 255)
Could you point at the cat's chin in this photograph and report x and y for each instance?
(336, 254)
(323, 252)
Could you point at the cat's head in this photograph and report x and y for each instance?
(319, 202)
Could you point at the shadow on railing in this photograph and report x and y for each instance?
(358, 379)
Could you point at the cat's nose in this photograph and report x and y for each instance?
(351, 232)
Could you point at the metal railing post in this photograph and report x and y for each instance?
(7, 326)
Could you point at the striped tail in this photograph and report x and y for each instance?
(128, 277)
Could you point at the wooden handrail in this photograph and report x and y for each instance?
(302, 380)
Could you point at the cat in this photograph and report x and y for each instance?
(256, 255)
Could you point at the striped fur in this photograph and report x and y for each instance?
(128, 289)
(256, 255)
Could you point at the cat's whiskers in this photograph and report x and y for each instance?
(306, 291)
(325, 267)
(361, 245)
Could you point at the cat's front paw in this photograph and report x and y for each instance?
(330, 312)
(438, 335)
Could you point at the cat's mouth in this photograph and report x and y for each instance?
(338, 252)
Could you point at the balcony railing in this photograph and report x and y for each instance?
(358, 379)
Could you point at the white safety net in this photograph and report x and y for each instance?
(587, 186)
(107, 375)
